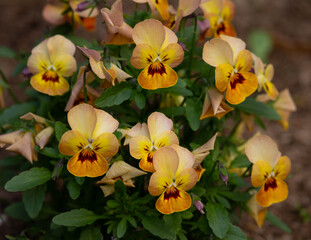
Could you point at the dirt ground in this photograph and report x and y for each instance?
(288, 22)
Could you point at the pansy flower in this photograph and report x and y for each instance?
(157, 51)
(90, 141)
(173, 177)
(265, 75)
(233, 64)
(50, 62)
(269, 170)
(122, 171)
(147, 139)
(160, 5)
(219, 13)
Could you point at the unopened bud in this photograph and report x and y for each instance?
(58, 169)
(223, 173)
(82, 6)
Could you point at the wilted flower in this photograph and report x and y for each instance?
(119, 170)
(90, 141)
(257, 212)
(233, 64)
(157, 51)
(269, 170)
(51, 61)
(148, 139)
(173, 177)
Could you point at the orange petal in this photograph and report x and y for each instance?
(261, 171)
(172, 55)
(83, 118)
(146, 162)
(140, 146)
(162, 7)
(166, 160)
(222, 76)
(158, 183)
(157, 124)
(273, 191)
(106, 144)
(173, 200)
(282, 168)
(50, 83)
(142, 56)
(89, 23)
(241, 85)
(244, 61)
(157, 75)
(216, 52)
(72, 142)
(105, 123)
(87, 163)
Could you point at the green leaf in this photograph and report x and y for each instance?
(75, 218)
(235, 196)
(158, 228)
(218, 219)
(173, 111)
(260, 43)
(33, 200)
(15, 111)
(80, 41)
(114, 95)
(28, 179)
(80, 180)
(193, 113)
(48, 151)
(91, 233)
(241, 161)
(177, 90)
(6, 52)
(235, 233)
(17, 210)
(73, 189)
(120, 190)
(236, 180)
(121, 229)
(250, 105)
(11, 161)
(60, 129)
(274, 220)
(173, 221)
(140, 100)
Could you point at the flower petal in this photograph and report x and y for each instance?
(157, 124)
(172, 55)
(106, 144)
(139, 129)
(142, 56)
(53, 14)
(162, 7)
(261, 171)
(244, 61)
(173, 200)
(140, 146)
(222, 76)
(269, 73)
(83, 118)
(72, 142)
(262, 148)
(236, 44)
(216, 52)
(158, 183)
(166, 160)
(105, 123)
(87, 163)
(146, 162)
(170, 37)
(186, 159)
(59, 45)
(43, 137)
(38, 62)
(166, 138)
(282, 168)
(188, 7)
(273, 191)
(65, 65)
(186, 179)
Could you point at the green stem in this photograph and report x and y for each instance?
(15, 99)
(212, 171)
(192, 47)
(84, 86)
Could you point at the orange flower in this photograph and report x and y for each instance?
(90, 141)
(173, 177)
(157, 51)
(147, 139)
(269, 170)
(233, 64)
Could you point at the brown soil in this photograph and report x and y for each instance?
(288, 22)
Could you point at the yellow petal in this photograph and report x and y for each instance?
(222, 76)
(157, 124)
(173, 200)
(162, 7)
(165, 160)
(146, 162)
(87, 163)
(65, 65)
(273, 191)
(261, 171)
(50, 83)
(258, 65)
(282, 168)
(106, 145)
(149, 32)
(38, 62)
(186, 179)
(83, 118)
(186, 159)
(269, 73)
(262, 148)
(158, 183)
(199, 171)
(157, 75)
(172, 55)
(142, 56)
(244, 61)
(216, 52)
(140, 146)
(72, 142)
(170, 37)
(105, 123)
(271, 90)
(241, 85)
(236, 44)
(166, 138)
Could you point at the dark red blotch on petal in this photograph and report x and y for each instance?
(87, 155)
(156, 68)
(270, 183)
(50, 76)
(172, 192)
(237, 78)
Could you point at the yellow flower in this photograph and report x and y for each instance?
(54, 14)
(118, 32)
(269, 170)
(257, 212)
(147, 139)
(90, 141)
(160, 5)
(214, 104)
(119, 170)
(219, 13)
(233, 64)
(173, 177)
(157, 51)
(265, 75)
(51, 61)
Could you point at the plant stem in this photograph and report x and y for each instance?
(13, 96)
(192, 47)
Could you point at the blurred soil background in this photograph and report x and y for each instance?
(289, 24)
